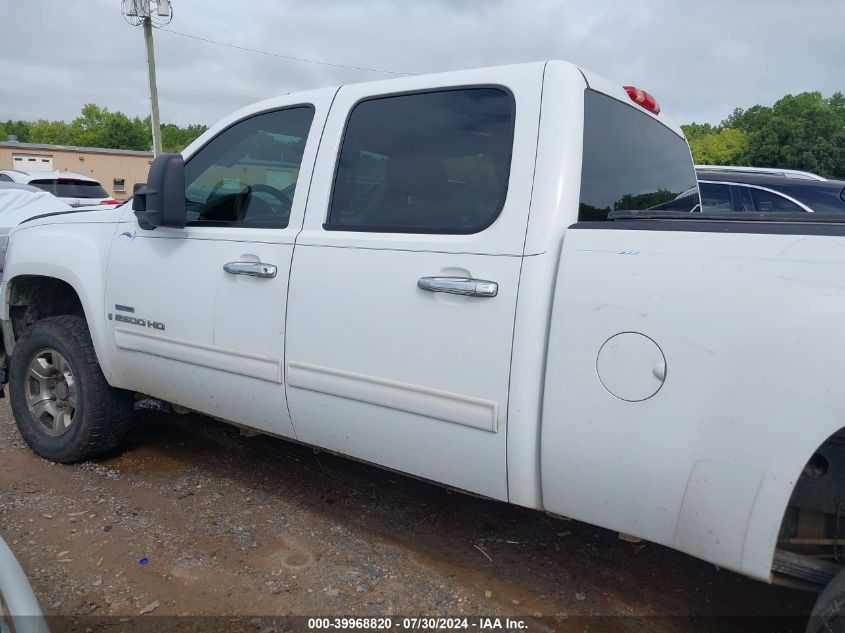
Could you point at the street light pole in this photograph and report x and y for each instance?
(151, 72)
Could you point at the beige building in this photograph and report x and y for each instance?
(116, 169)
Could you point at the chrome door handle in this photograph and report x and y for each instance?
(459, 286)
(253, 269)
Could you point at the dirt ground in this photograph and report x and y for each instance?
(194, 519)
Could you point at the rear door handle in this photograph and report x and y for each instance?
(459, 286)
(252, 269)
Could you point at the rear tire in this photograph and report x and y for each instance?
(63, 406)
(828, 614)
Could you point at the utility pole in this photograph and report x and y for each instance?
(140, 13)
(151, 71)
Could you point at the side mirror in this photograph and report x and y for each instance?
(161, 202)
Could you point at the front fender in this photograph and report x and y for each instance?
(76, 254)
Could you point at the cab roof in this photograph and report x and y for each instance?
(592, 80)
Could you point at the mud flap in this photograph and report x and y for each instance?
(7, 343)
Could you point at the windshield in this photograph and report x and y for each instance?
(71, 188)
(631, 161)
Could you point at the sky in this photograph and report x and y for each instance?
(700, 59)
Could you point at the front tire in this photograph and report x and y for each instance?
(63, 406)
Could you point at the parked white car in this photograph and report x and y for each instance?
(77, 190)
(465, 284)
(19, 202)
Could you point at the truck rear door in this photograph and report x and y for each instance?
(404, 278)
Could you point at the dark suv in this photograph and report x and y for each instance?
(759, 189)
(762, 190)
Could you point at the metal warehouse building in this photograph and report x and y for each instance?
(116, 169)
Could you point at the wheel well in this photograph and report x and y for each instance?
(813, 525)
(32, 298)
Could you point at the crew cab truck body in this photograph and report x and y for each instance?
(426, 273)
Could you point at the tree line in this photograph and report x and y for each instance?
(804, 131)
(99, 127)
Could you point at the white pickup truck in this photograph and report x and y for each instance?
(458, 276)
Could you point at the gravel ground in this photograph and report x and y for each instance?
(192, 519)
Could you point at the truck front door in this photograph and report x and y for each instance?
(197, 315)
(405, 277)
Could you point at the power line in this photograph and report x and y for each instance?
(287, 57)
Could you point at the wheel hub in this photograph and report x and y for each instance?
(51, 392)
(62, 390)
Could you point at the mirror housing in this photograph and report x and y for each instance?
(161, 201)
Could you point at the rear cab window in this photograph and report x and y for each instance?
(631, 162)
(634, 167)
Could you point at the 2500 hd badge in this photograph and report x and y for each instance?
(133, 320)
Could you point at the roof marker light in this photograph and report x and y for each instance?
(642, 98)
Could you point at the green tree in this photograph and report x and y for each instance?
(695, 131)
(727, 146)
(16, 128)
(632, 202)
(175, 138)
(804, 131)
(51, 132)
(98, 127)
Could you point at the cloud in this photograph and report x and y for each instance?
(700, 59)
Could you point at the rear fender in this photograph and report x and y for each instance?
(750, 327)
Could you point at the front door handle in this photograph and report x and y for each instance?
(459, 286)
(253, 269)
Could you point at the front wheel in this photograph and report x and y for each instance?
(64, 408)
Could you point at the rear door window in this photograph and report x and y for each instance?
(434, 162)
(771, 201)
(631, 161)
(715, 197)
